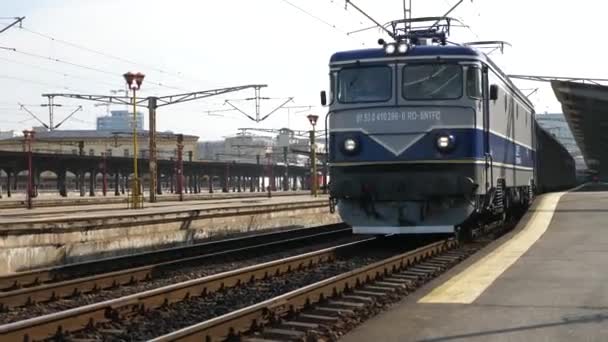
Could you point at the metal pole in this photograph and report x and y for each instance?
(28, 138)
(269, 165)
(313, 162)
(180, 166)
(105, 179)
(286, 175)
(135, 187)
(51, 124)
(152, 129)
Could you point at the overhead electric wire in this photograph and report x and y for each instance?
(345, 9)
(319, 19)
(312, 15)
(107, 55)
(17, 103)
(83, 121)
(57, 60)
(37, 82)
(462, 20)
(65, 74)
(17, 122)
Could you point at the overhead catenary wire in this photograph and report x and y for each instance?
(346, 10)
(351, 14)
(65, 74)
(90, 68)
(111, 56)
(462, 21)
(320, 19)
(37, 82)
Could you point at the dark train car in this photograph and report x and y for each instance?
(429, 138)
(555, 168)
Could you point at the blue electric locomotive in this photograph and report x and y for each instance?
(426, 137)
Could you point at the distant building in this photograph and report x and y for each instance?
(7, 134)
(556, 124)
(99, 143)
(247, 148)
(119, 120)
(209, 150)
(240, 148)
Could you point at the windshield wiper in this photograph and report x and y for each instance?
(430, 76)
(444, 84)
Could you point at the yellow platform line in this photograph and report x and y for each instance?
(466, 286)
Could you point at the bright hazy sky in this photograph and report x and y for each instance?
(197, 45)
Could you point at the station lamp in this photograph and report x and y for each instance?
(313, 154)
(134, 81)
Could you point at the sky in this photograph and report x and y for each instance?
(84, 47)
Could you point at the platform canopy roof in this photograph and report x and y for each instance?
(585, 107)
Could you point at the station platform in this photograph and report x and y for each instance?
(48, 236)
(544, 281)
(70, 211)
(53, 199)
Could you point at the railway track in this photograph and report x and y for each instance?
(45, 285)
(326, 309)
(130, 307)
(312, 295)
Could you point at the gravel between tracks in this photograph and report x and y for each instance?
(166, 278)
(198, 309)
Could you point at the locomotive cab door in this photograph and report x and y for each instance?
(486, 131)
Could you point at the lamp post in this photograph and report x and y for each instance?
(313, 154)
(104, 174)
(28, 137)
(134, 82)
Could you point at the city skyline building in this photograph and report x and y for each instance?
(119, 120)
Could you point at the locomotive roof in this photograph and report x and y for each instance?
(426, 50)
(415, 51)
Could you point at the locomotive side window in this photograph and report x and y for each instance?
(474, 87)
(365, 84)
(432, 81)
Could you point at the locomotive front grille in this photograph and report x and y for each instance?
(399, 183)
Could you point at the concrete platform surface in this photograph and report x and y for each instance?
(76, 212)
(46, 199)
(557, 290)
(44, 237)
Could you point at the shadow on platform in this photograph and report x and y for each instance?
(593, 187)
(566, 320)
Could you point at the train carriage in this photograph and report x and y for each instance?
(427, 139)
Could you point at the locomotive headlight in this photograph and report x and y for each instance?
(350, 145)
(445, 142)
(390, 49)
(402, 48)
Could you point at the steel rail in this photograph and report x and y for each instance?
(67, 288)
(241, 321)
(34, 224)
(168, 199)
(57, 273)
(76, 319)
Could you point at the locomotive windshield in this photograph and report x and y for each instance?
(432, 81)
(366, 84)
